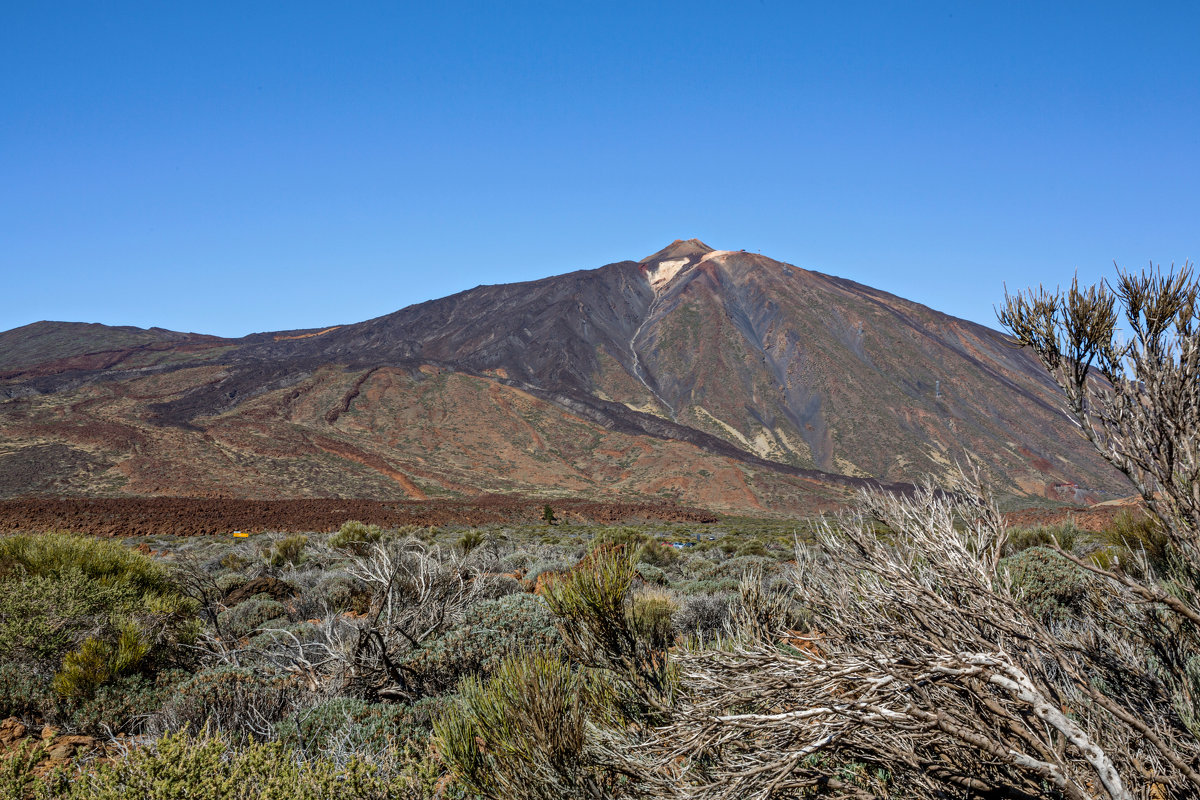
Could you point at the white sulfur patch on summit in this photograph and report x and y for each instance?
(662, 272)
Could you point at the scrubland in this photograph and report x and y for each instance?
(547, 661)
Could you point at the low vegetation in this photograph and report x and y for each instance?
(367, 648)
(405, 663)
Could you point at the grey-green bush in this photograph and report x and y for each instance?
(250, 615)
(239, 701)
(491, 630)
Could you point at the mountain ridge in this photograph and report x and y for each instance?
(808, 384)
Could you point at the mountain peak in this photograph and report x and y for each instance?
(693, 249)
(664, 265)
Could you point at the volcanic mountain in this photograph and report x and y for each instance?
(720, 378)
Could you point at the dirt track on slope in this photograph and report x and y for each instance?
(189, 516)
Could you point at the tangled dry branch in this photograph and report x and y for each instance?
(919, 662)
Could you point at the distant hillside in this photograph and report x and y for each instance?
(722, 378)
(53, 342)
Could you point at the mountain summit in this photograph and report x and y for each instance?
(679, 249)
(676, 257)
(721, 378)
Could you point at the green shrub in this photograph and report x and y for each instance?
(42, 617)
(627, 537)
(288, 551)
(658, 554)
(602, 630)
(356, 537)
(470, 539)
(524, 733)
(229, 582)
(1048, 585)
(234, 561)
(752, 548)
(595, 591)
(1068, 535)
(650, 612)
(55, 554)
(90, 610)
(119, 706)
(740, 566)
(58, 592)
(19, 776)
(84, 670)
(647, 548)
(1139, 533)
(96, 662)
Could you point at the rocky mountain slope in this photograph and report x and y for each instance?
(720, 378)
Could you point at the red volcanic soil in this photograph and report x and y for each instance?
(189, 516)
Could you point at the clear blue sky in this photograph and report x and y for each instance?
(238, 167)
